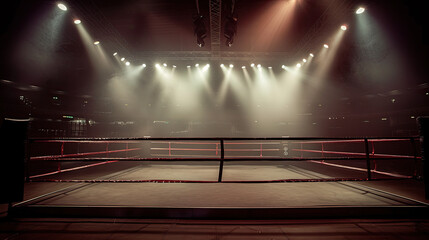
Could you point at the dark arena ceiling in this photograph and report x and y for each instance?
(382, 54)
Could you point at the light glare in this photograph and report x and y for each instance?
(62, 7)
(360, 10)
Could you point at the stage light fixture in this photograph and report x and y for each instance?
(200, 30)
(144, 65)
(77, 21)
(122, 59)
(311, 55)
(127, 63)
(231, 66)
(62, 6)
(115, 53)
(325, 45)
(360, 10)
(344, 27)
(259, 66)
(96, 42)
(197, 65)
(252, 65)
(222, 65)
(164, 64)
(304, 60)
(230, 30)
(298, 65)
(243, 67)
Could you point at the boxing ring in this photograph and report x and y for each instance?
(220, 177)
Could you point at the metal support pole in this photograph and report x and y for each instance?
(222, 157)
(27, 160)
(424, 142)
(413, 146)
(368, 162)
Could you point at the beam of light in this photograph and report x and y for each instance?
(37, 47)
(324, 65)
(276, 20)
(381, 59)
(96, 53)
(62, 6)
(206, 67)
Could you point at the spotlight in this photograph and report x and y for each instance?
(77, 21)
(325, 45)
(127, 63)
(144, 65)
(304, 60)
(62, 6)
(200, 30)
(122, 59)
(270, 67)
(164, 64)
(188, 66)
(298, 65)
(96, 42)
(230, 29)
(174, 66)
(252, 65)
(360, 10)
(231, 66)
(115, 53)
(283, 66)
(311, 55)
(243, 67)
(222, 65)
(344, 27)
(197, 65)
(259, 65)
(157, 65)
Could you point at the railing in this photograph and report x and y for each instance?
(316, 150)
